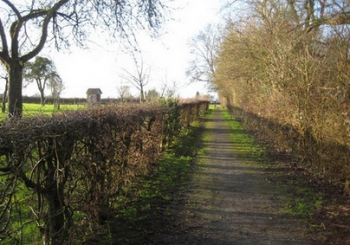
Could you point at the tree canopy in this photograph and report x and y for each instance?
(42, 71)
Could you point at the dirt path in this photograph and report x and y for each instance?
(229, 200)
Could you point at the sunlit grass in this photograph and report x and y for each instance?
(30, 110)
(299, 199)
(243, 143)
(214, 106)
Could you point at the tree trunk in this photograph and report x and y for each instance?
(56, 103)
(142, 95)
(42, 97)
(15, 72)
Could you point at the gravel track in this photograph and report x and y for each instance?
(230, 200)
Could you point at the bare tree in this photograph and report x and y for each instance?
(204, 51)
(32, 24)
(167, 90)
(124, 92)
(56, 85)
(140, 77)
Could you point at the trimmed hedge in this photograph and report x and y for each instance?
(60, 175)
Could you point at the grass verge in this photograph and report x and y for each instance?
(32, 110)
(299, 198)
(244, 144)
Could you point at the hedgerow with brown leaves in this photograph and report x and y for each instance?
(60, 175)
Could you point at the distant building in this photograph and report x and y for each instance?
(93, 96)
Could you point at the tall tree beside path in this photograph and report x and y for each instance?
(287, 63)
(27, 26)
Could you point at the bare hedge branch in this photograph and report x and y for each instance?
(60, 175)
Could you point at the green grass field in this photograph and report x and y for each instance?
(47, 110)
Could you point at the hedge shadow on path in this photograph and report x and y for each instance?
(230, 200)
